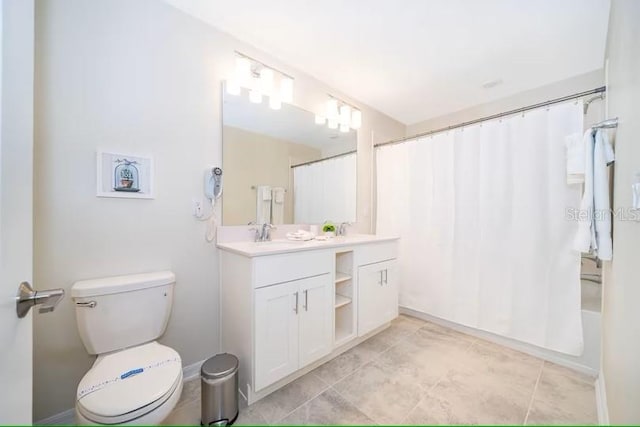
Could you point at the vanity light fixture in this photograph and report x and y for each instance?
(340, 113)
(345, 115)
(266, 81)
(286, 88)
(332, 109)
(356, 119)
(255, 96)
(274, 102)
(261, 80)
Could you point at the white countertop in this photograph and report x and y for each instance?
(281, 246)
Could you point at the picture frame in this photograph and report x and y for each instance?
(124, 175)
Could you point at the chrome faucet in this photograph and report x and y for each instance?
(342, 229)
(262, 232)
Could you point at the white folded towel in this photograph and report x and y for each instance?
(278, 194)
(300, 235)
(263, 204)
(602, 157)
(585, 237)
(265, 192)
(277, 205)
(575, 159)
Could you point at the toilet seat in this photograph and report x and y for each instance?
(125, 385)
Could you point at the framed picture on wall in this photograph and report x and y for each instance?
(127, 176)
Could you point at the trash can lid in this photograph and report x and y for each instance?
(219, 366)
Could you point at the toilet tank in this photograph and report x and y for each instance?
(123, 311)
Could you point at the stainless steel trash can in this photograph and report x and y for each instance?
(219, 381)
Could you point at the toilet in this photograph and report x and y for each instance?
(134, 380)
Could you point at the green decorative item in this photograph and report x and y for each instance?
(328, 228)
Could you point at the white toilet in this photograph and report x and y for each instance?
(134, 380)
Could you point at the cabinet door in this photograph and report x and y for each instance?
(377, 295)
(316, 318)
(276, 332)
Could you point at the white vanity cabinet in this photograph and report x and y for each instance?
(287, 308)
(292, 327)
(377, 295)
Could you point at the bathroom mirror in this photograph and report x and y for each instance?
(281, 167)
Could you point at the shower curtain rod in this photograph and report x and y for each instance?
(322, 160)
(601, 89)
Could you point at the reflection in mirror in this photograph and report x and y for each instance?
(282, 168)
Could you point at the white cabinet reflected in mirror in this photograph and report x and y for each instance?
(280, 167)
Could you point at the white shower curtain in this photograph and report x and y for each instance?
(325, 190)
(485, 241)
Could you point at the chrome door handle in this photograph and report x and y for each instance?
(380, 277)
(88, 304)
(27, 298)
(295, 309)
(306, 300)
(386, 276)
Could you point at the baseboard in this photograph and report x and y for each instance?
(601, 400)
(192, 371)
(533, 350)
(68, 417)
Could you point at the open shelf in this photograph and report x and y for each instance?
(342, 335)
(345, 311)
(342, 277)
(341, 300)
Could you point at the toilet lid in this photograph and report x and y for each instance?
(125, 381)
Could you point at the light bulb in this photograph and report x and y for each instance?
(255, 95)
(274, 102)
(243, 71)
(233, 88)
(344, 128)
(286, 89)
(345, 115)
(332, 109)
(319, 119)
(266, 81)
(356, 119)
(332, 123)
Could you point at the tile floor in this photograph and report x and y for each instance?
(417, 372)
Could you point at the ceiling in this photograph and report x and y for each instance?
(418, 59)
(290, 123)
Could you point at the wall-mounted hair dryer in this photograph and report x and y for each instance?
(213, 183)
(212, 191)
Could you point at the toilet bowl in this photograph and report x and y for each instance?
(143, 397)
(134, 380)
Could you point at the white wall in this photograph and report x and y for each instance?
(559, 89)
(136, 76)
(621, 297)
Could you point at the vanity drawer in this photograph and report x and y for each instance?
(376, 252)
(271, 269)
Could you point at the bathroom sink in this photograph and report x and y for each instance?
(278, 244)
(250, 248)
(269, 246)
